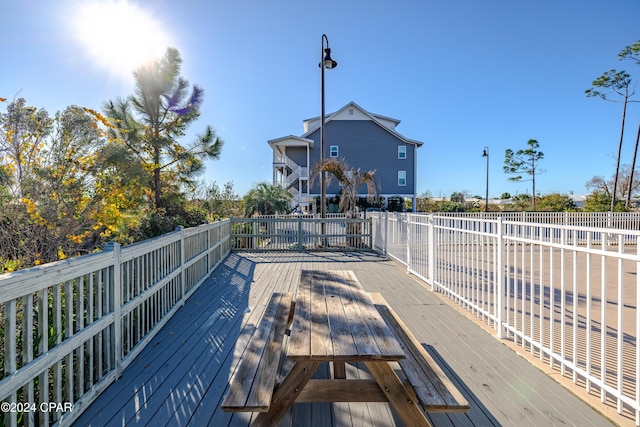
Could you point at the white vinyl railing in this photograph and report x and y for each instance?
(617, 220)
(69, 328)
(300, 233)
(567, 294)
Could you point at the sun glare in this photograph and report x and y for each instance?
(118, 35)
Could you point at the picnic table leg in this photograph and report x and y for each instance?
(406, 406)
(285, 395)
(339, 370)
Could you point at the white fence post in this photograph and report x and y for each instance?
(10, 361)
(408, 225)
(499, 262)
(183, 282)
(117, 306)
(431, 254)
(300, 242)
(386, 233)
(209, 254)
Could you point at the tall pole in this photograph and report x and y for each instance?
(325, 62)
(323, 189)
(485, 153)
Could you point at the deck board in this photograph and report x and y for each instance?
(181, 377)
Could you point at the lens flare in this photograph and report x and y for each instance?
(118, 35)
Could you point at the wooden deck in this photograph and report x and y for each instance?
(181, 378)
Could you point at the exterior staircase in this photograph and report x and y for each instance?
(290, 182)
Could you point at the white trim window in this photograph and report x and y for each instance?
(402, 151)
(402, 178)
(333, 151)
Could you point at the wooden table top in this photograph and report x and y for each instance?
(335, 320)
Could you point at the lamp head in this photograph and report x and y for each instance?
(485, 152)
(327, 61)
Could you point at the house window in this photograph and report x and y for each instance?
(402, 178)
(333, 151)
(402, 151)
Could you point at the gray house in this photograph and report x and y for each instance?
(364, 140)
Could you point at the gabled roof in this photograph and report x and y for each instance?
(382, 121)
(291, 140)
(395, 122)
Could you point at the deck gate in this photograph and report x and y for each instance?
(301, 233)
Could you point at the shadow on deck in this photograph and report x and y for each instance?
(181, 377)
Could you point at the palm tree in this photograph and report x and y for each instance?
(351, 179)
(150, 122)
(266, 199)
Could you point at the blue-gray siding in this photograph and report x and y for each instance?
(368, 146)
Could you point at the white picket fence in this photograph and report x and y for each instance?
(567, 294)
(69, 328)
(300, 233)
(617, 220)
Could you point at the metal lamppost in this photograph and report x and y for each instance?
(328, 63)
(485, 153)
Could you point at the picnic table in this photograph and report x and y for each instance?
(334, 320)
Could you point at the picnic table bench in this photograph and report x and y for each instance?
(333, 320)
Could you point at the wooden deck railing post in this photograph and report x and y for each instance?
(117, 306)
(10, 361)
(183, 284)
(210, 227)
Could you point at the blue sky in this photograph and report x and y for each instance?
(459, 74)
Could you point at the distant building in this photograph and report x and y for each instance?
(364, 140)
